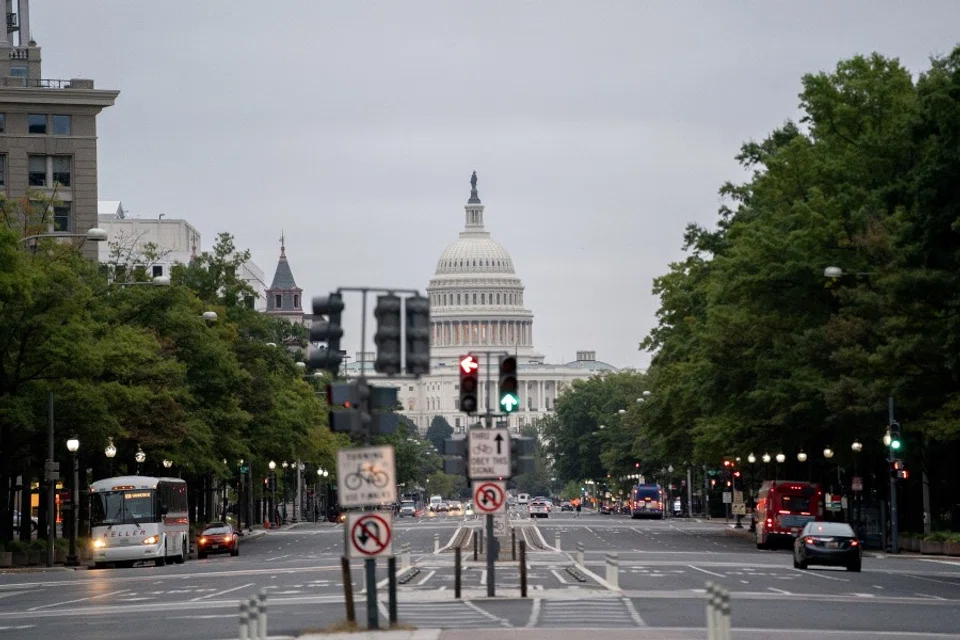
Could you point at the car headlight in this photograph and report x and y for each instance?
(150, 540)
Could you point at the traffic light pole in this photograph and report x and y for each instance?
(894, 525)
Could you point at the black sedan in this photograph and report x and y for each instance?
(827, 543)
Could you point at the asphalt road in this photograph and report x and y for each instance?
(663, 568)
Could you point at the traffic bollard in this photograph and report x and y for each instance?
(513, 543)
(244, 620)
(405, 556)
(392, 589)
(556, 540)
(480, 533)
(456, 573)
(580, 549)
(262, 614)
(252, 618)
(436, 543)
(523, 569)
(718, 613)
(613, 570)
(476, 546)
(726, 632)
(348, 590)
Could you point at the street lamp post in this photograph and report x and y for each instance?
(73, 444)
(93, 235)
(110, 451)
(273, 481)
(140, 457)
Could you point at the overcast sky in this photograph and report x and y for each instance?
(598, 129)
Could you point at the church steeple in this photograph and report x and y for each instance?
(474, 208)
(284, 297)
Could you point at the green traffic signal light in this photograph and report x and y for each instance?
(509, 391)
(895, 444)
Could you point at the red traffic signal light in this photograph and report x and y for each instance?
(736, 474)
(727, 463)
(469, 382)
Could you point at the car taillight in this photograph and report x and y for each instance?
(854, 543)
(809, 540)
(202, 540)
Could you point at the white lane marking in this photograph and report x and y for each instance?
(863, 595)
(425, 578)
(7, 594)
(486, 613)
(30, 626)
(483, 577)
(276, 558)
(634, 614)
(220, 593)
(534, 613)
(59, 604)
(780, 591)
(817, 574)
(927, 595)
(559, 577)
(710, 573)
(952, 584)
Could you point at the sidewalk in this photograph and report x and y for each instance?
(639, 633)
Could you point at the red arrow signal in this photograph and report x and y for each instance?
(468, 364)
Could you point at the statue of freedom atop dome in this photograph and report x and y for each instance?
(474, 198)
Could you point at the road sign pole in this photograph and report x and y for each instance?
(491, 555)
(489, 415)
(373, 617)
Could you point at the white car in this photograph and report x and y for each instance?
(539, 510)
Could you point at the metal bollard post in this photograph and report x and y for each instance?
(456, 573)
(244, 617)
(725, 629)
(613, 570)
(711, 622)
(580, 549)
(262, 614)
(480, 533)
(476, 545)
(513, 543)
(392, 589)
(436, 543)
(252, 618)
(405, 556)
(556, 540)
(523, 569)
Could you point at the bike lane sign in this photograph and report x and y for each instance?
(366, 477)
(369, 535)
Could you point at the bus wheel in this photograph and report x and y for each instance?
(183, 553)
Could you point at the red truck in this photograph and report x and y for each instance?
(783, 508)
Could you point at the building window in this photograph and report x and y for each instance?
(62, 217)
(61, 170)
(296, 301)
(456, 405)
(483, 298)
(498, 298)
(278, 301)
(3, 171)
(458, 298)
(18, 71)
(37, 123)
(474, 298)
(37, 171)
(62, 125)
(3, 122)
(157, 270)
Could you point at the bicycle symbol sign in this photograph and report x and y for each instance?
(489, 497)
(366, 477)
(371, 535)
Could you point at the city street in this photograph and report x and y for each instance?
(664, 566)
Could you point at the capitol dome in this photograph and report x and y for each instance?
(476, 298)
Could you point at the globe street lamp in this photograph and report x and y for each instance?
(766, 458)
(73, 445)
(140, 457)
(781, 458)
(751, 458)
(210, 316)
(856, 446)
(110, 451)
(167, 464)
(802, 456)
(828, 453)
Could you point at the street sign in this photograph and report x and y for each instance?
(369, 535)
(489, 496)
(489, 453)
(500, 524)
(366, 477)
(857, 483)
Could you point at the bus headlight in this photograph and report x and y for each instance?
(99, 544)
(151, 540)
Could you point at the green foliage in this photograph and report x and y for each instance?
(438, 431)
(755, 350)
(537, 483)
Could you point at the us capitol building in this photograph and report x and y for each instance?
(477, 306)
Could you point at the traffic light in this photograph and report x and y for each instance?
(521, 455)
(895, 441)
(328, 357)
(898, 470)
(509, 393)
(387, 338)
(469, 383)
(455, 456)
(418, 335)
(737, 481)
(342, 395)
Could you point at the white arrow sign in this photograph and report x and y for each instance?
(489, 453)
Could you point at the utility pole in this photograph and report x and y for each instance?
(52, 469)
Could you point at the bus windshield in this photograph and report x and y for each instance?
(122, 507)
